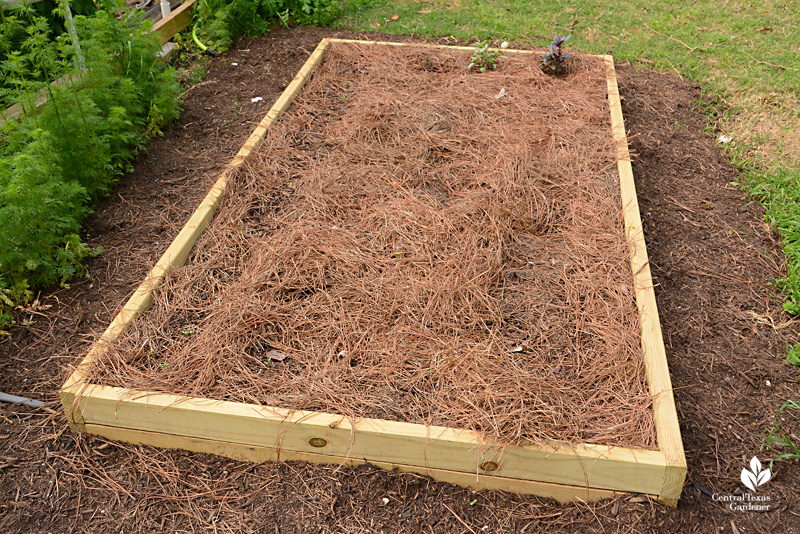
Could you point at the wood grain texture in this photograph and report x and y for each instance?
(375, 440)
(249, 453)
(427, 45)
(176, 21)
(668, 434)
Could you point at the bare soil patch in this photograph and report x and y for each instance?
(711, 253)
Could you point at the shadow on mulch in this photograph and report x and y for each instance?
(712, 255)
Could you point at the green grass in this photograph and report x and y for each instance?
(745, 55)
(779, 439)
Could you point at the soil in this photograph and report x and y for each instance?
(711, 253)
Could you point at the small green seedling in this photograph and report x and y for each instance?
(554, 59)
(188, 330)
(484, 59)
(779, 437)
(283, 17)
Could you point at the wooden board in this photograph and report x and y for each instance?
(257, 433)
(176, 21)
(668, 434)
(249, 453)
(374, 440)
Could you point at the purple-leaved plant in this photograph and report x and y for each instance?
(554, 59)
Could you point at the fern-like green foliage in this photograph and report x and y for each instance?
(55, 163)
(221, 21)
(15, 22)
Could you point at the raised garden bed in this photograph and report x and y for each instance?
(519, 266)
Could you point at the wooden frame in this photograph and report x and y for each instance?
(256, 433)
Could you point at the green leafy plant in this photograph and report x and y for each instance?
(779, 192)
(15, 22)
(554, 59)
(221, 21)
(484, 59)
(778, 437)
(58, 160)
(283, 16)
(793, 354)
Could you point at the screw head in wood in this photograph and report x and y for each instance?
(489, 466)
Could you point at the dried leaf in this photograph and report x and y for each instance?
(501, 94)
(395, 17)
(277, 355)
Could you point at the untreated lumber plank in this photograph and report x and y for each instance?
(427, 45)
(375, 440)
(250, 453)
(176, 21)
(668, 434)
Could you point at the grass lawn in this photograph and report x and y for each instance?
(745, 56)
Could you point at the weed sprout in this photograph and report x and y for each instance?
(484, 59)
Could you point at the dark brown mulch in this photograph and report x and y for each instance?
(712, 255)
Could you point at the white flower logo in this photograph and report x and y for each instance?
(757, 477)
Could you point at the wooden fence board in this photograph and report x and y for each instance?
(176, 21)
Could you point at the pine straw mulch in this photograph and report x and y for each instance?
(421, 243)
